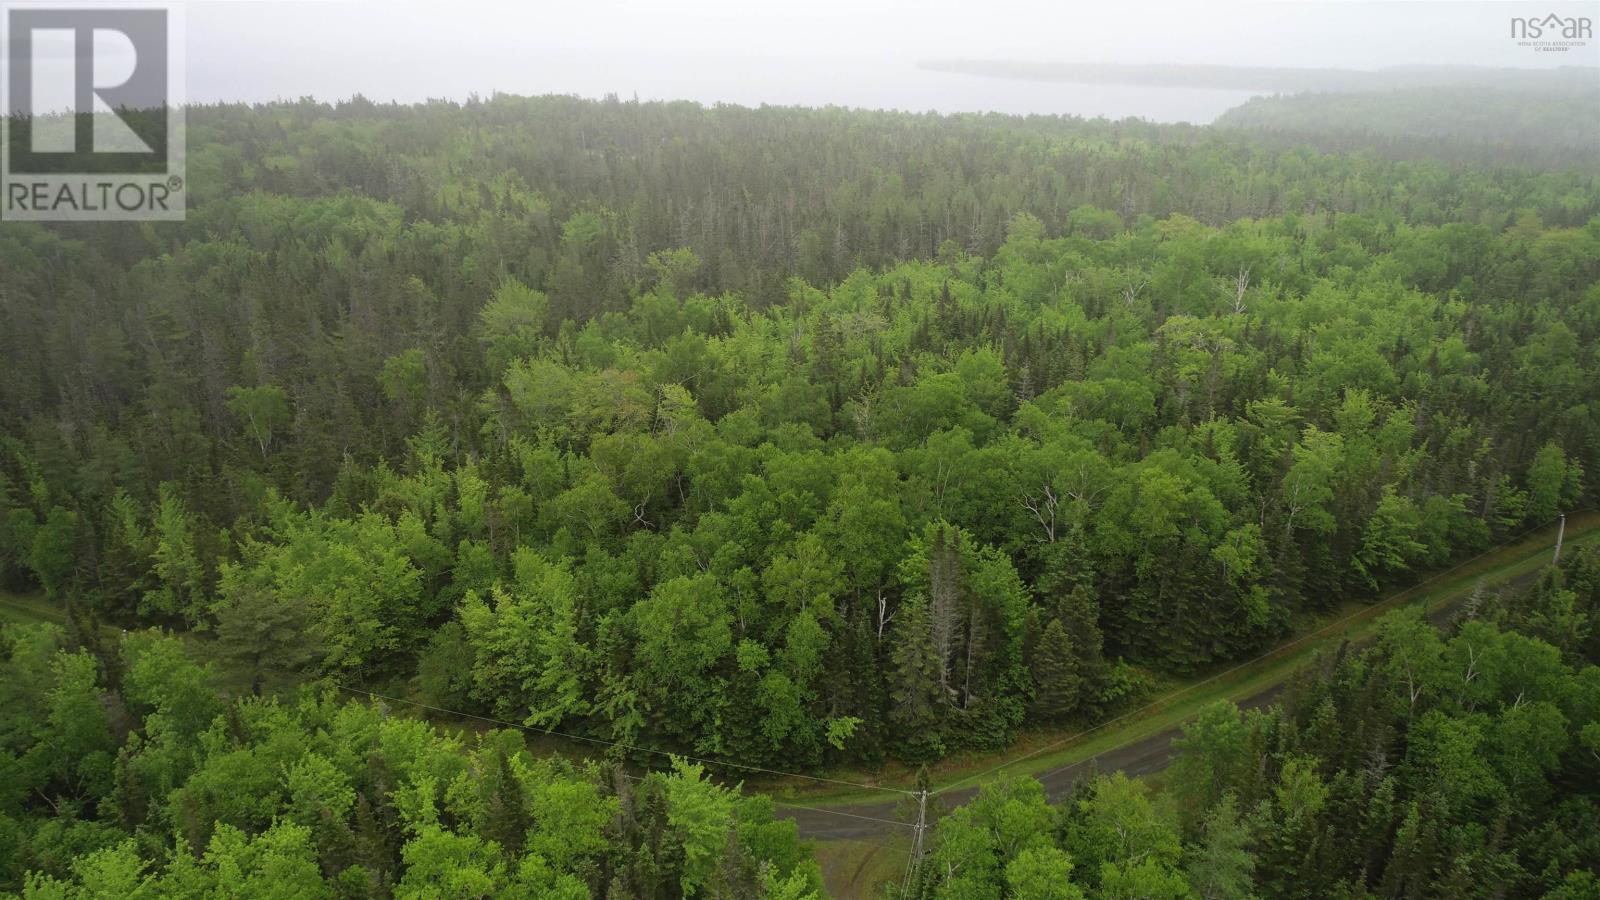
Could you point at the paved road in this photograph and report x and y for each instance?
(1141, 757)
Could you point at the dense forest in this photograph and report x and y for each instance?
(318, 798)
(1465, 765)
(1481, 124)
(1475, 116)
(778, 437)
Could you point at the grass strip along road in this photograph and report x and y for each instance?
(1140, 742)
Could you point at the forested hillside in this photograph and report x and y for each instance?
(779, 437)
(1554, 127)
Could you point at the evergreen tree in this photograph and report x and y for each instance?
(1055, 675)
(915, 693)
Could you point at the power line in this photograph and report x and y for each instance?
(601, 741)
(877, 845)
(1223, 674)
(840, 812)
(915, 859)
(820, 809)
(53, 614)
(922, 795)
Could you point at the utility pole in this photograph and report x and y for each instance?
(922, 825)
(915, 862)
(916, 841)
(1560, 533)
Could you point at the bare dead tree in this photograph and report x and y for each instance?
(944, 600)
(1044, 511)
(1131, 290)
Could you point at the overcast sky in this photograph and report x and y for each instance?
(850, 52)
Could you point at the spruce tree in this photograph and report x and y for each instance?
(1055, 675)
(1080, 618)
(505, 818)
(915, 694)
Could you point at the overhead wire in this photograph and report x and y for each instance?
(1231, 670)
(601, 741)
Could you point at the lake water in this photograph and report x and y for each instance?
(907, 87)
(915, 89)
(743, 78)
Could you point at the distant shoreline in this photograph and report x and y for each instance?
(1284, 80)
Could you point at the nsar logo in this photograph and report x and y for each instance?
(1552, 33)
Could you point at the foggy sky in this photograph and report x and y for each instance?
(847, 52)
